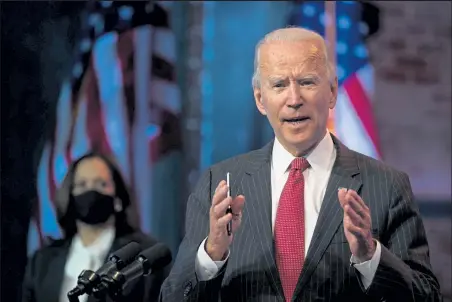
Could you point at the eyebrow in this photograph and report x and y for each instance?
(275, 79)
(310, 77)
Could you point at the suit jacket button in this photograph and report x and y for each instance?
(188, 288)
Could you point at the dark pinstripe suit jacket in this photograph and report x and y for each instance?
(404, 272)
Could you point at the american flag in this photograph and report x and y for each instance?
(120, 96)
(353, 120)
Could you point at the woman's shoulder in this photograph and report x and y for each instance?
(51, 244)
(49, 250)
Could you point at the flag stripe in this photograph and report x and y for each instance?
(46, 186)
(165, 95)
(365, 76)
(350, 128)
(95, 122)
(125, 51)
(166, 49)
(362, 106)
(110, 102)
(142, 79)
(61, 134)
(80, 143)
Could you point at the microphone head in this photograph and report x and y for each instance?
(157, 256)
(127, 253)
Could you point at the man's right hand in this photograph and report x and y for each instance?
(218, 242)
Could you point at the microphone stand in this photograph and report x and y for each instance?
(73, 295)
(83, 285)
(73, 299)
(101, 291)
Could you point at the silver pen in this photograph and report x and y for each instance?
(229, 210)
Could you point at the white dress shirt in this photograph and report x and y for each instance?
(321, 161)
(82, 257)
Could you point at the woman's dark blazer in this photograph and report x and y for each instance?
(45, 272)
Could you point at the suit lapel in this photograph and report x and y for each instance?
(52, 284)
(345, 173)
(258, 210)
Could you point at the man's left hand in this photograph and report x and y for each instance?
(357, 225)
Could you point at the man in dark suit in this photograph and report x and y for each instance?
(320, 222)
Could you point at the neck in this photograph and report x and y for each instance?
(89, 233)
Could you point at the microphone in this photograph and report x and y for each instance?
(88, 279)
(153, 258)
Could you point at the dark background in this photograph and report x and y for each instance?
(25, 110)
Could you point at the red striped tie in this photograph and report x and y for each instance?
(289, 228)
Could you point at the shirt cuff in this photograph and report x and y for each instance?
(206, 268)
(367, 269)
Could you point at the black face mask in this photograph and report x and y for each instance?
(93, 207)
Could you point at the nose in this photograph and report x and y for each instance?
(294, 100)
(90, 185)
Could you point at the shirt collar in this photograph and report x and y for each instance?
(281, 158)
(81, 257)
(100, 247)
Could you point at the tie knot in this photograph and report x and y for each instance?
(299, 163)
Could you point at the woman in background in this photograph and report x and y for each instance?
(91, 210)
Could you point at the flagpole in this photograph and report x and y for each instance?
(330, 36)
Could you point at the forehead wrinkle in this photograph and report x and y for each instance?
(309, 65)
(283, 55)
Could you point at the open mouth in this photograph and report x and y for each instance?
(297, 120)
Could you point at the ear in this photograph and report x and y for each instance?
(334, 87)
(258, 99)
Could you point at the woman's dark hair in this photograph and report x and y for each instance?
(65, 209)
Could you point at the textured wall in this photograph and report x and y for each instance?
(412, 58)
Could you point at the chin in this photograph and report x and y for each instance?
(299, 135)
(301, 141)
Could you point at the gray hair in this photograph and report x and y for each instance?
(292, 34)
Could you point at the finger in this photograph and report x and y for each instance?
(223, 221)
(219, 210)
(358, 198)
(354, 218)
(353, 229)
(341, 193)
(237, 204)
(236, 221)
(220, 195)
(220, 185)
(236, 217)
(358, 208)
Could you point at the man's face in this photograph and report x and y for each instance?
(295, 92)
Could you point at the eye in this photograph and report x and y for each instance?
(80, 184)
(279, 84)
(102, 184)
(306, 82)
